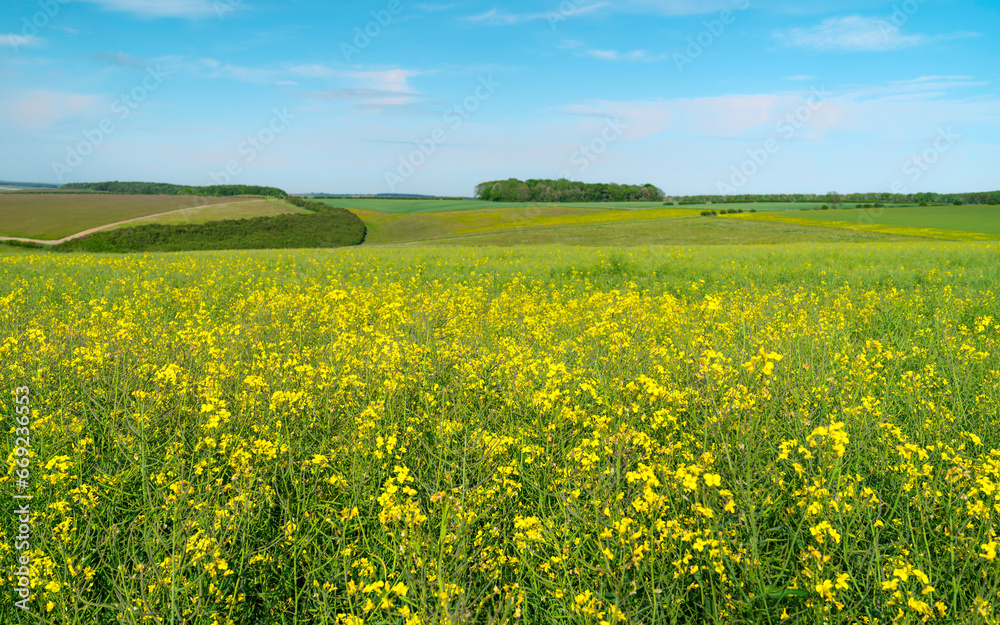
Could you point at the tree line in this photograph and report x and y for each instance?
(162, 188)
(562, 190)
(833, 198)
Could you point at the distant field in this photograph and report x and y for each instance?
(936, 222)
(215, 212)
(436, 206)
(413, 206)
(682, 231)
(404, 227)
(534, 225)
(441, 206)
(52, 216)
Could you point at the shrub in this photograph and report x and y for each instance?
(824, 207)
(958, 202)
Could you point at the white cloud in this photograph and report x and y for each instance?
(680, 7)
(431, 8)
(165, 8)
(44, 109)
(496, 17)
(121, 59)
(855, 33)
(903, 108)
(574, 8)
(19, 41)
(615, 55)
(801, 77)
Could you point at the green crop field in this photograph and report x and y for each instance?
(943, 222)
(214, 212)
(437, 206)
(52, 216)
(412, 206)
(681, 231)
(670, 434)
(578, 225)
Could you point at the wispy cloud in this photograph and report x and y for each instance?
(678, 7)
(160, 8)
(359, 94)
(433, 8)
(575, 8)
(615, 55)
(856, 33)
(44, 109)
(801, 77)
(897, 108)
(376, 89)
(19, 41)
(497, 17)
(120, 59)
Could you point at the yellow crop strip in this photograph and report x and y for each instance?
(803, 434)
(595, 218)
(925, 233)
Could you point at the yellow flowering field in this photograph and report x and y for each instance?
(802, 434)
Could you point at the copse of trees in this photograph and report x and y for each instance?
(162, 188)
(562, 190)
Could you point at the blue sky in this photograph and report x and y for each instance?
(378, 96)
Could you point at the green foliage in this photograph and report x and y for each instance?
(562, 190)
(328, 227)
(984, 197)
(162, 188)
